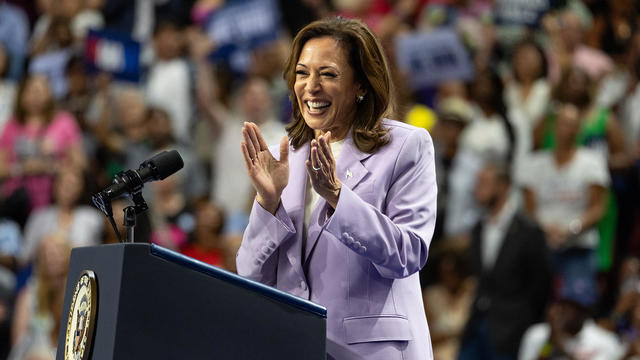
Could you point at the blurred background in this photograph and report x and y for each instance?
(533, 107)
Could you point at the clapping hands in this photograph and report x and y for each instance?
(321, 168)
(268, 176)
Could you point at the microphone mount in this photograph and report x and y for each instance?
(132, 181)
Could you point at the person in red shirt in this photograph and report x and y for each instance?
(207, 240)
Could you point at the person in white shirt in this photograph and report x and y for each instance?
(80, 224)
(565, 191)
(492, 132)
(231, 187)
(529, 91)
(168, 84)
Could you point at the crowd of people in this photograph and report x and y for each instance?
(536, 253)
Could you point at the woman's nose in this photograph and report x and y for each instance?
(314, 83)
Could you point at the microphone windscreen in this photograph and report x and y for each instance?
(166, 163)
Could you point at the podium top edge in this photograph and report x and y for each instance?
(238, 280)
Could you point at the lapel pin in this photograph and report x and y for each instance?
(349, 174)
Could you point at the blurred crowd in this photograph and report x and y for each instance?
(536, 253)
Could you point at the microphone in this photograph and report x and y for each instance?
(131, 181)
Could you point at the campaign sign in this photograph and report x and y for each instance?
(429, 58)
(53, 65)
(243, 25)
(521, 12)
(114, 53)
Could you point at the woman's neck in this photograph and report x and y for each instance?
(525, 88)
(487, 110)
(34, 119)
(337, 134)
(564, 153)
(455, 289)
(206, 240)
(65, 213)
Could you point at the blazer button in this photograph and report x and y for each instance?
(262, 257)
(303, 285)
(362, 249)
(357, 244)
(256, 261)
(271, 245)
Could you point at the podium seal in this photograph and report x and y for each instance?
(82, 314)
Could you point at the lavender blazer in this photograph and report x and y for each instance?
(362, 261)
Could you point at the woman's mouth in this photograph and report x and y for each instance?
(317, 107)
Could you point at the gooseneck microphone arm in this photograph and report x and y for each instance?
(130, 183)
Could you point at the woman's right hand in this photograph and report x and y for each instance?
(268, 175)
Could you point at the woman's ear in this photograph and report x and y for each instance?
(360, 93)
(360, 90)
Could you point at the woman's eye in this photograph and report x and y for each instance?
(328, 74)
(300, 72)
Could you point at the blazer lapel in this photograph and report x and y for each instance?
(293, 202)
(314, 231)
(350, 168)
(350, 171)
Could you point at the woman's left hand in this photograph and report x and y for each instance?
(322, 170)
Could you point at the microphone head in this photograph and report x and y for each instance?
(165, 164)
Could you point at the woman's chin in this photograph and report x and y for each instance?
(315, 122)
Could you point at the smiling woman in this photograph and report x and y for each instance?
(344, 216)
(325, 88)
(342, 58)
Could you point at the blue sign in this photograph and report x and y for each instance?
(241, 26)
(521, 12)
(53, 65)
(114, 53)
(429, 58)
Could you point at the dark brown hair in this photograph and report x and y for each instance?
(371, 71)
(582, 99)
(543, 72)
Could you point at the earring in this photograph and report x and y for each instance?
(359, 99)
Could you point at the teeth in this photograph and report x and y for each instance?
(318, 104)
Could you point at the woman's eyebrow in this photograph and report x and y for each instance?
(324, 67)
(328, 67)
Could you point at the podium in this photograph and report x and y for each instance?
(153, 303)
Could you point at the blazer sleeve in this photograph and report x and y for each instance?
(257, 257)
(396, 238)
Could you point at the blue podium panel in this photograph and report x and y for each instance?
(153, 303)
